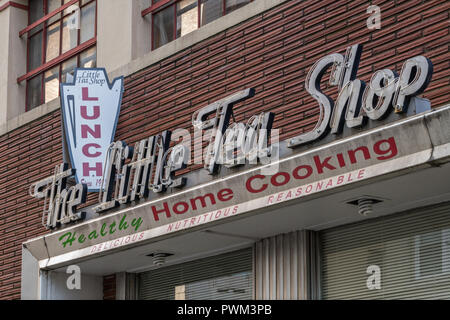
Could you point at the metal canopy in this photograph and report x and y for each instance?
(417, 176)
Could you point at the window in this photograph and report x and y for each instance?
(226, 276)
(58, 42)
(172, 19)
(399, 256)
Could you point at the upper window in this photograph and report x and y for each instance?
(172, 19)
(61, 36)
(438, 243)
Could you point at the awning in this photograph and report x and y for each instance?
(253, 200)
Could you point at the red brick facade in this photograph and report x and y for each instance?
(271, 52)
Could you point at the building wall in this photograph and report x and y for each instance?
(13, 54)
(271, 52)
(91, 287)
(133, 32)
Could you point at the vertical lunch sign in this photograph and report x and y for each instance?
(90, 108)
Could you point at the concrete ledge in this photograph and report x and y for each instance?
(29, 116)
(248, 11)
(18, 4)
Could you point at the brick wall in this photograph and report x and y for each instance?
(271, 52)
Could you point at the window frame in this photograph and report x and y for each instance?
(32, 30)
(445, 251)
(157, 7)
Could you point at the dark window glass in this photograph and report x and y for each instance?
(36, 8)
(60, 37)
(35, 51)
(87, 31)
(67, 11)
(88, 58)
(67, 68)
(163, 28)
(34, 92)
(51, 81)
(52, 50)
(187, 17)
(167, 27)
(69, 36)
(52, 5)
(211, 10)
(235, 4)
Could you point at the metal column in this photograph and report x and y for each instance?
(287, 267)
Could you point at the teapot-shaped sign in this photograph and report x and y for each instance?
(90, 107)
